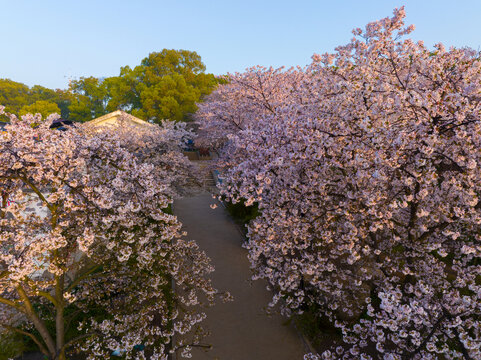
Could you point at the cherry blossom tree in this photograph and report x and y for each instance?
(244, 100)
(157, 144)
(368, 183)
(90, 259)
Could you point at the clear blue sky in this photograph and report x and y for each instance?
(46, 42)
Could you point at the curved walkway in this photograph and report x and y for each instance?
(240, 330)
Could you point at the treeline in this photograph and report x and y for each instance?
(166, 85)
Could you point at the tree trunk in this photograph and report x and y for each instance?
(37, 322)
(59, 318)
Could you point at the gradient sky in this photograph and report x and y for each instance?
(48, 42)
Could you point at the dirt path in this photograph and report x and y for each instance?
(240, 330)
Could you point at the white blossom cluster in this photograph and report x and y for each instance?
(103, 241)
(158, 145)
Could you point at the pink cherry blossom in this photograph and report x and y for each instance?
(365, 170)
(89, 229)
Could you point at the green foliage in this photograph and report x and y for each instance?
(242, 214)
(13, 95)
(79, 110)
(38, 93)
(43, 107)
(11, 345)
(168, 210)
(19, 99)
(318, 330)
(90, 101)
(166, 85)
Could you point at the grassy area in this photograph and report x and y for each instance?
(11, 345)
(242, 214)
(168, 210)
(318, 330)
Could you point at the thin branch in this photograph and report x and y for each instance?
(36, 191)
(75, 339)
(411, 354)
(82, 277)
(31, 336)
(37, 321)
(461, 345)
(194, 345)
(70, 318)
(432, 229)
(12, 304)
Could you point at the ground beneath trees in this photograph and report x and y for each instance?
(240, 329)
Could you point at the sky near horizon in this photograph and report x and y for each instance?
(49, 42)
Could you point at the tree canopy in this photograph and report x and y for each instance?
(19, 99)
(365, 172)
(42, 107)
(165, 85)
(90, 251)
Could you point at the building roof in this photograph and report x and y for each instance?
(110, 119)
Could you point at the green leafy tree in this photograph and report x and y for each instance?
(124, 90)
(170, 97)
(16, 96)
(38, 92)
(166, 85)
(63, 98)
(43, 107)
(90, 99)
(13, 95)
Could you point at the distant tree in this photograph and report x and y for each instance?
(38, 92)
(42, 107)
(62, 98)
(166, 85)
(13, 95)
(90, 99)
(170, 97)
(16, 96)
(123, 91)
